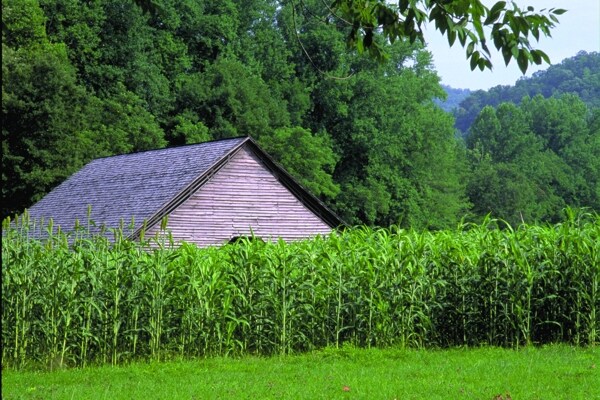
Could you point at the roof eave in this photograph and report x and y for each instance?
(309, 200)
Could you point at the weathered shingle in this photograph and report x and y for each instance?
(144, 187)
(136, 186)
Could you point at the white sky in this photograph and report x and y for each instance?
(579, 29)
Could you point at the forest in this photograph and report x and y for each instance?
(82, 80)
(578, 75)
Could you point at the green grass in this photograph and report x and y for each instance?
(553, 372)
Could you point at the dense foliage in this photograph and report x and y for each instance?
(578, 75)
(81, 80)
(92, 301)
(528, 161)
(507, 27)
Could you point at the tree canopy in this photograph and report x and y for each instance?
(579, 75)
(531, 160)
(506, 25)
(82, 80)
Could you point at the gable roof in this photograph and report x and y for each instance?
(148, 185)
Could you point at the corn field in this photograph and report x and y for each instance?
(75, 300)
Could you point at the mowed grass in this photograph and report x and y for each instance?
(552, 372)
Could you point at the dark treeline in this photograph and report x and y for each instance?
(83, 80)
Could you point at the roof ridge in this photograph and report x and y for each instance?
(172, 148)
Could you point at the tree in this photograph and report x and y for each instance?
(307, 157)
(44, 110)
(89, 79)
(579, 75)
(567, 128)
(504, 133)
(508, 27)
(52, 124)
(529, 161)
(123, 125)
(399, 161)
(231, 101)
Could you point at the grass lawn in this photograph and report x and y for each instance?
(554, 372)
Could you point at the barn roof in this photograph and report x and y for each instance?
(148, 185)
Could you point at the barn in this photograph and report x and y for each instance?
(211, 193)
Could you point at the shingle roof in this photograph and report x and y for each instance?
(146, 186)
(136, 185)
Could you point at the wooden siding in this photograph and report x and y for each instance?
(242, 197)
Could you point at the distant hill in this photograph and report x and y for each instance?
(579, 75)
(455, 97)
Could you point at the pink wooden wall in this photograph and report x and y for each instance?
(241, 196)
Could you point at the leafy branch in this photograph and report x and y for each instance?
(506, 25)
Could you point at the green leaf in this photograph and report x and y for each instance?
(537, 58)
(514, 50)
(524, 25)
(359, 46)
(497, 8)
(441, 24)
(506, 53)
(435, 13)
(470, 49)
(462, 37)
(498, 37)
(493, 15)
(474, 60)
(479, 29)
(482, 63)
(451, 37)
(523, 60)
(544, 56)
(403, 5)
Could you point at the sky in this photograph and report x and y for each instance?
(579, 29)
